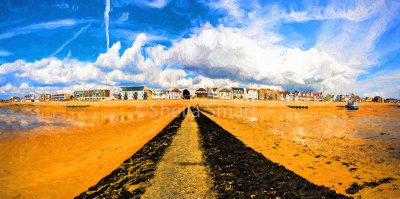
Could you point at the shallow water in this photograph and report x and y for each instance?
(45, 149)
(25, 119)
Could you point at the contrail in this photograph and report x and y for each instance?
(106, 19)
(73, 38)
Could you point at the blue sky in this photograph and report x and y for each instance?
(328, 46)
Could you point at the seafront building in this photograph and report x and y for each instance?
(287, 96)
(92, 95)
(201, 93)
(175, 94)
(60, 97)
(44, 97)
(237, 93)
(377, 99)
(30, 98)
(156, 94)
(309, 96)
(135, 93)
(212, 93)
(225, 94)
(251, 94)
(267, 94)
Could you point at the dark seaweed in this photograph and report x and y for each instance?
(136, 170)
(354, 188)
(240, 172)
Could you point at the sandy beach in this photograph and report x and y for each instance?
(38, 163)
(324, 144)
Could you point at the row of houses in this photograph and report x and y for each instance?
(256, 94)
(44, 97)
(145, 93)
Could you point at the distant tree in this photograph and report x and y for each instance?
(377, 99)
(186, 94)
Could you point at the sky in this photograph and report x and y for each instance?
(334, 47)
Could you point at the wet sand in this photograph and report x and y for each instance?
(40, 162)
(134, 175)
(171, 165)
(325, 144)
(352, 152)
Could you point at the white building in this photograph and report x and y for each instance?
(252, 94)
(157, 94)
(212, 93)
(175, 94)
(225, 94)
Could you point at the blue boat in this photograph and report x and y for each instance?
(351, 106)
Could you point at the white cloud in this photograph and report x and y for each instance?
(229, 53)
(4, 53)
(68, 41)
(147, 3)
(111, 58)
(158, 3)
(385, 83)
(106, 21)
(39, 26)
(224, 57)
(122, 18)
(11, 89)
(235, 55)
(231, 6)
(52, 70)
(354, 11)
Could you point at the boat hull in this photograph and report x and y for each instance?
(352, 107)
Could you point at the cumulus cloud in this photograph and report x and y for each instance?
(232, 54)
(111, 58)
(11, 89)
(225, 56)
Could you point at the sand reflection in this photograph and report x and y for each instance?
(51, 148)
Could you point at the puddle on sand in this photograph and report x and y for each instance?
(15, 120)
(21, 119)
(41, 157)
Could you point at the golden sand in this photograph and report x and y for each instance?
(63, 161)
(326, 144)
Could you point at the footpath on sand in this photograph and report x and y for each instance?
(193, 157)
(182, 173)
